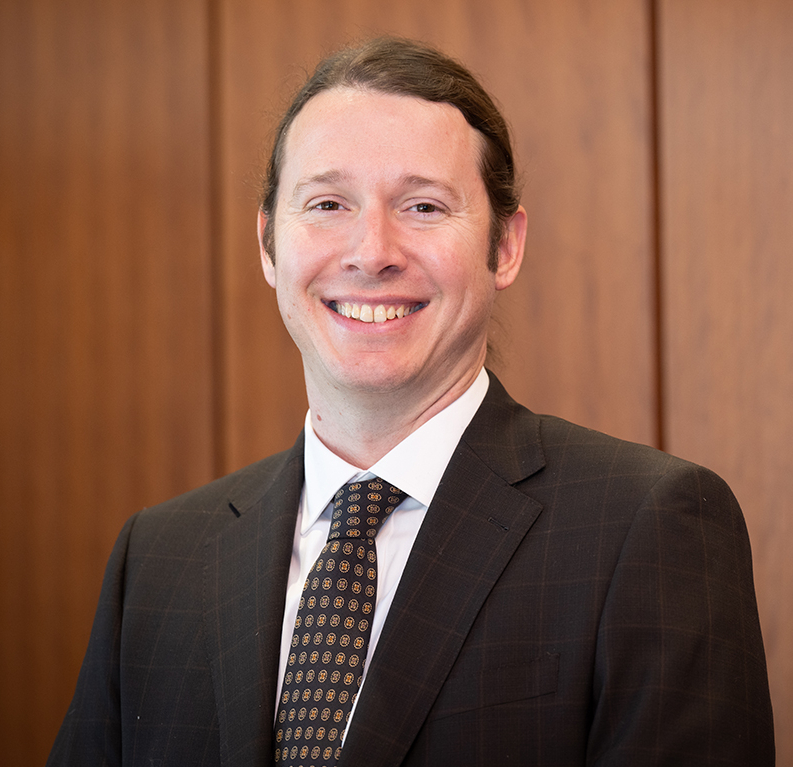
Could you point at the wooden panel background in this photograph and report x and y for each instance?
(142, 351)
(727, 244)
(105, 317)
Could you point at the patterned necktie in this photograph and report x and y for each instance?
(331, 638)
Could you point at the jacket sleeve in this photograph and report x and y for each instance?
(680, 675)
(90, 735)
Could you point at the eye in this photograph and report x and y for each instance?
(327, 205)
(425, 207)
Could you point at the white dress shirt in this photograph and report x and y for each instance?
(415, 465)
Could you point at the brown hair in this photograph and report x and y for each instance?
(409, 68)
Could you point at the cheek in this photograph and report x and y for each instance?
(465, 248)
(304, 252)
(463, 270)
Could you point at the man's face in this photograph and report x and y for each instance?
(382, 233)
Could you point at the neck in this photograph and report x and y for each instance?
(361, 427)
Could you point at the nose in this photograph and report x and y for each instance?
(374, 248)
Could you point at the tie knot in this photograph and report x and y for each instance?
(361, 508)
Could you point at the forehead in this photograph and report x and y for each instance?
(366, 132)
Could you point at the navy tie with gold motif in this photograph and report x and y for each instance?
(331, 638)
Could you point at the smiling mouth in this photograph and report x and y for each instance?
(379, 313)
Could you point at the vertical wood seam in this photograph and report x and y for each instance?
(218, 311)
(656, 199)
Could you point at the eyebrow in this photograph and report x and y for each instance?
(328, 177)
(409, 180)
(413, 180)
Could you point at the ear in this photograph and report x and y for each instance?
(510, 249)
(267, 263)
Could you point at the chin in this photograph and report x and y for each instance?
(376, 377)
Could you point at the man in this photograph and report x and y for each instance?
(490, 586)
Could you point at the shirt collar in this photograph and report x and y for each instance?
(415, 465)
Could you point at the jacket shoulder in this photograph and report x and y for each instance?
(566, 443)
(549, 449)
(206, 510)
(242, 487)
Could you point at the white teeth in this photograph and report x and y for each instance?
(380, 313)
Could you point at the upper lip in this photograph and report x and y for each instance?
(374, 300)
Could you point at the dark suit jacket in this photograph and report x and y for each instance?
(571, 599)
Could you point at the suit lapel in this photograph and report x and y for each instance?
(245, 586)
(472, 528)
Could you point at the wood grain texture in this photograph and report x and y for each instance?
(579, 323)
(104, 318)
(727, 249)
(576, 332)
